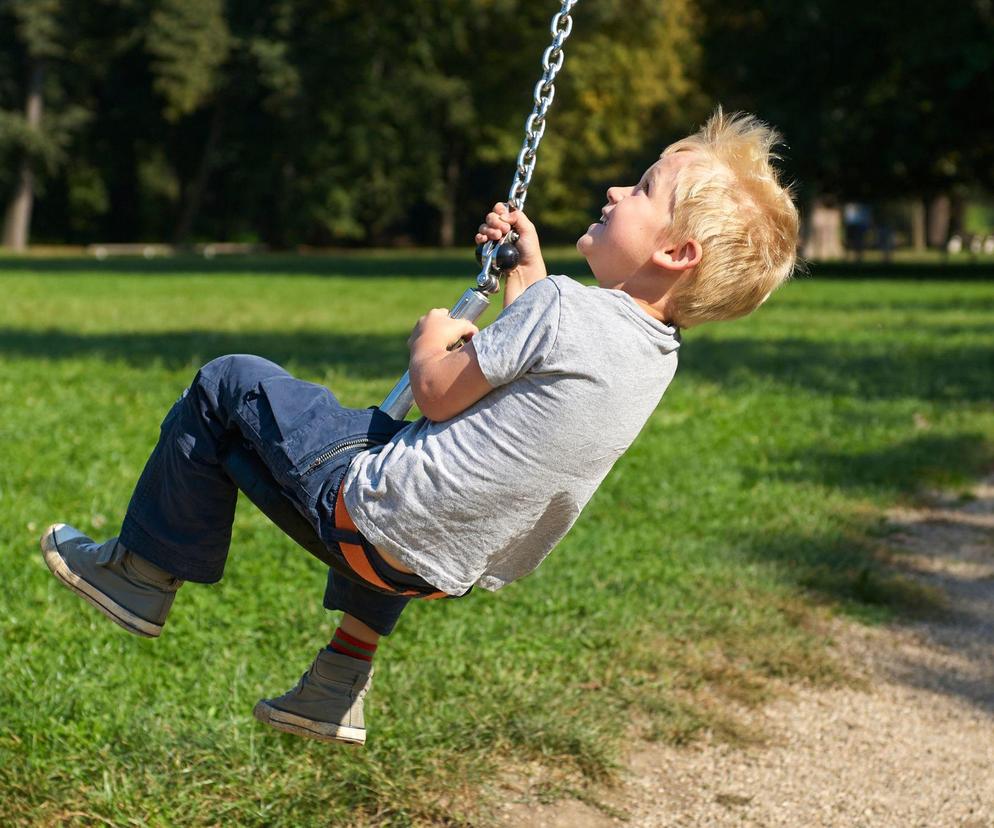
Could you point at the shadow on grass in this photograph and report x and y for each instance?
(926, 305)
(859, 565)
(929, 460)
(843, 569)
(365, 356)
(927, 371)
(979, 270)
(851, 571)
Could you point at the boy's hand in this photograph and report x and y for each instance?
(498, 224)
(444, 382)
(531, 267)
(437, 331)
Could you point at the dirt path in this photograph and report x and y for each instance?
(913, 747)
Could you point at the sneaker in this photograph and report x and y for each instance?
(326, 704)
(129, 590)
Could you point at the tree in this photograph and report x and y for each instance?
(876, 100)
(37, 25)
(330, 121)
(188, 41)
(630, 86)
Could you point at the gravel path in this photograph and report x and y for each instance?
(914, 746)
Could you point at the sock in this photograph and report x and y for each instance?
(351, 646)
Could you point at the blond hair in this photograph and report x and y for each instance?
(731, 201)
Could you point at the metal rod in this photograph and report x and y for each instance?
(399, 402)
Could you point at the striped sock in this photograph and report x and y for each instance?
(351, 646)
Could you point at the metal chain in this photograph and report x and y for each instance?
(473, 302)
(545, 92)
(488, 279)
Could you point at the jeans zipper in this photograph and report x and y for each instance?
(334, 452)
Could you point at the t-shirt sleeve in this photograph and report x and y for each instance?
(522, 336)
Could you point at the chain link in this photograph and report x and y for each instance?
(488, 279)
(545, 93)
(399, 401)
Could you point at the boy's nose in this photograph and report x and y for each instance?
(615, 194)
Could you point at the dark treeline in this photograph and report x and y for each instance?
(398, 121)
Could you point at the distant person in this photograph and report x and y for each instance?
(857, 219)
(520, 425)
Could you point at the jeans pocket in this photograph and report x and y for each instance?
(302, 427)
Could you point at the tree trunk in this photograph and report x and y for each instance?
(17, 221)
(957, 214)
(918, 225)
(447, 229)
(939, 215)
(195, 194)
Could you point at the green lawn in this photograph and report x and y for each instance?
(748, 509)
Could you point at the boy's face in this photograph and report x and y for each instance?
(633, 223)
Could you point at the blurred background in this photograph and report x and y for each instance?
(289, 123)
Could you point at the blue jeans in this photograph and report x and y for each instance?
(183, 507)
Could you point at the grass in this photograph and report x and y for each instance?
(696, 580)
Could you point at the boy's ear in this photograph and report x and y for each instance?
(678, 257)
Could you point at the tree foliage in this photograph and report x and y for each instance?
(35, 37)
(188, 43)
(331, 121)
(876, 99)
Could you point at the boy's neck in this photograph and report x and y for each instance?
(650, 291)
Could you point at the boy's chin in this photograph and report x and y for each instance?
(584, 246)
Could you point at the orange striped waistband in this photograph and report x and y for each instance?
(358, 560)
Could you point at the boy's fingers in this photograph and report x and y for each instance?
(494, 220)
(499, 221)
(468, 332)
(520, 221)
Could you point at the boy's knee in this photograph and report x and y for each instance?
(237, 371)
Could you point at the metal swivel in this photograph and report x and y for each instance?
(506, 258)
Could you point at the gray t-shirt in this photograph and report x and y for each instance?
(483, 497)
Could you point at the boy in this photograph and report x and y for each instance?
(520, 425)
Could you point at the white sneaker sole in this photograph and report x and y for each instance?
(89, 593)
(300, 726)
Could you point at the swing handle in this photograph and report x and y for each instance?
(400, 400)
(496, 259)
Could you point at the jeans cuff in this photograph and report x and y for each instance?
(137, 540)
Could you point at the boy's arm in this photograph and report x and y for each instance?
(531, 267)
(444, 382)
